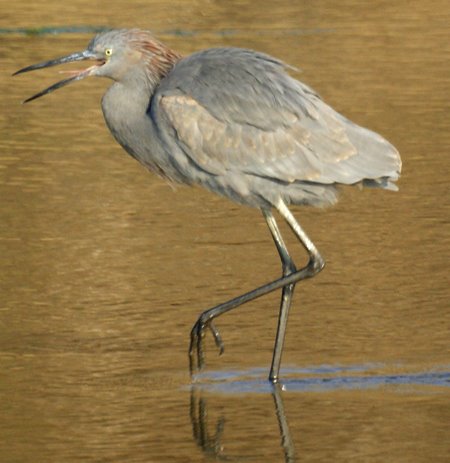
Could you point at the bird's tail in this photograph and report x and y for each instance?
(377, 162)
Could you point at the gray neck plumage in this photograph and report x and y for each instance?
(125, 111)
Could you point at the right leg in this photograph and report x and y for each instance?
(286, 295)
(315, 264)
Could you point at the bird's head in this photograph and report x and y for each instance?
(117, 54)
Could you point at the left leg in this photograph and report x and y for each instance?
(315, 265)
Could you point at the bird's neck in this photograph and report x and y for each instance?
(125, 111)
(125, 103)
(159, 60)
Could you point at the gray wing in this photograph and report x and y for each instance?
(238, 110)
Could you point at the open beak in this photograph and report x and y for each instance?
(76, 75)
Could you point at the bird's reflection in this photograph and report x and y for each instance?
(286, 440)
(211, 441)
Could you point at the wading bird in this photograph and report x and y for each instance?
(233, 121)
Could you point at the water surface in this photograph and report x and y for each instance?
(104, 267)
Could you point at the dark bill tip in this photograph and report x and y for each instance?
(61, 83)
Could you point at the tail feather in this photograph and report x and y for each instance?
(376, 164)
(383, 182)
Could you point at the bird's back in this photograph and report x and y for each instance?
(234, 121)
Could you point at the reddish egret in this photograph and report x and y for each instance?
(233, 121)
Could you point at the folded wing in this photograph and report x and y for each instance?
(238, 110)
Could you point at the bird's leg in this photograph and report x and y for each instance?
(286, 295)
(315, 264)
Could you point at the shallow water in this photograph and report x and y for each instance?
(104, 268)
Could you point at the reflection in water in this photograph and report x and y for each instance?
(324, 379)
(286, 440)
(212, 444)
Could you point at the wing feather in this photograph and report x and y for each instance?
(235, 110)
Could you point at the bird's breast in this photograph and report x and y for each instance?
(126, 116)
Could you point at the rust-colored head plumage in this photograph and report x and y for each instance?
(159, 57)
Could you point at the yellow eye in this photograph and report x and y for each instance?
(108, 52)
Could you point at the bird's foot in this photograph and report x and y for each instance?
(196, 354)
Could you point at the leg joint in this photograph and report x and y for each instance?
(316, 263)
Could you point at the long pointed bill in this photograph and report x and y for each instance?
(77, 75)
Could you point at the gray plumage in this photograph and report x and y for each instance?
(235, 122)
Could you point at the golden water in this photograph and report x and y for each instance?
(104, 268)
